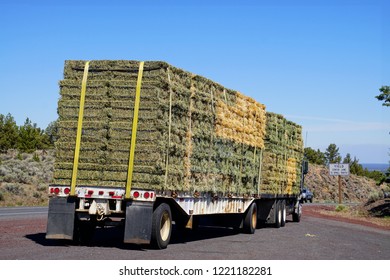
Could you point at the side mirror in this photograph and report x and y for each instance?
(305, 167)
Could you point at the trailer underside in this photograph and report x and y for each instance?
(148, 217)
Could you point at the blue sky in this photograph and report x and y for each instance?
(319, 63)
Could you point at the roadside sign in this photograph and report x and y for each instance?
(339, 169)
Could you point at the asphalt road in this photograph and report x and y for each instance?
(22, 236)
(14, 212)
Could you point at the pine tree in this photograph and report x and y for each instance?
(347, 159)
(356, 168)
(52, 132)
(384, 96)
(8, 132)
(315, 157)
(332, 154)
(29, 137)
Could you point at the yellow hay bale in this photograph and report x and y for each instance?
(291, 174)
(243, 122)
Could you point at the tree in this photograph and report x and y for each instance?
(8, 132)
(356, 168)
(32, 137)
(315, 157)
(384, 96)
(332, 154)
(52, 132)
(347, 159)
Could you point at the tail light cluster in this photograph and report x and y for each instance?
(86, 192)
(102, 193)
(143, 195)
(59, 191)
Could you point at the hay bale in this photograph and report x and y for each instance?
(282, 155)
(193, 134)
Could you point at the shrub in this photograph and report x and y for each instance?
(341, 208)
(14, 189)
(37, 195)
(374, 196)
(1, 196)
(42, 188)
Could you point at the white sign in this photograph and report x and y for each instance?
(336, 169)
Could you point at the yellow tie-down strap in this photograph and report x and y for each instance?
(134, 131)
(79, 130)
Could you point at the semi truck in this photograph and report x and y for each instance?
(149, 147)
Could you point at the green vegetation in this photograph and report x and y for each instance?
(374, 196)
(341, 208)
(332, 155)
(26, 138)
(384, 96)
(24, 179)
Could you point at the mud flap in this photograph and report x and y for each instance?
(266, 211)
(138, 223)
(60, 220)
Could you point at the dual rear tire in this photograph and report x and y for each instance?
(280, 213)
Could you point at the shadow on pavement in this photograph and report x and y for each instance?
(113, 237)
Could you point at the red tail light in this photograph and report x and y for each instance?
(136, 194)
(146, 195)
(57, 190)
(66, 191)
(90, 192)
(101, 192)
(111, 193)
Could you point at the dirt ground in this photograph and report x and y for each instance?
(374, 215)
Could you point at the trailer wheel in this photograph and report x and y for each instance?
(278, 214)
(297, 213)
(250, 219)
(161, 226)
(284, 213)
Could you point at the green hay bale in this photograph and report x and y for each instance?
(192, 146)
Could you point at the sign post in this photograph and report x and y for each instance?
(338, 169)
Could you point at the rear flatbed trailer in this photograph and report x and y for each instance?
(149, 215)
(251, 173)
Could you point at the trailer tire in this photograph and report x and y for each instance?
(278, 214)
(284, 213)
(250, 219)
(161, 226)
(297, 214)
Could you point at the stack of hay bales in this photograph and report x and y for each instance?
(282, 156)
(193, 134)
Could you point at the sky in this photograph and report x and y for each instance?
(318, 63)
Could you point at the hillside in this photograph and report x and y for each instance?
(325, 187)
(24, 180)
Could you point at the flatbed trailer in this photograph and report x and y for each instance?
(149, 215)
(251, 173)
